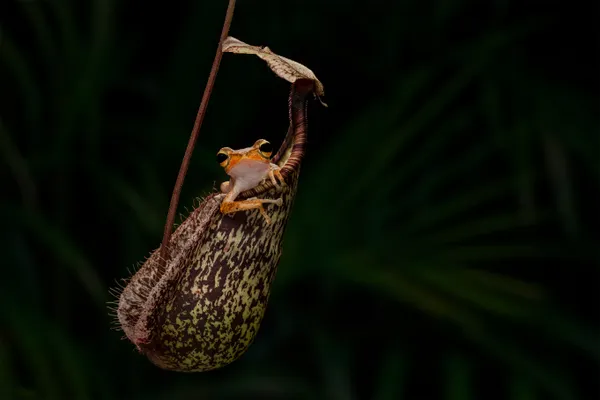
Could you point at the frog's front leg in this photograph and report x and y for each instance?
(225, 187)
(275, 172)
(229, 205)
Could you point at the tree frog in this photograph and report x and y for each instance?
(248, 168)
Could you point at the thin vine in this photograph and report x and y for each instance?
(193, 137)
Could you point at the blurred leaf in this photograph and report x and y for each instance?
(558, 170)
(65, 251)
(554, 382)
(335, 368)
(6, 375)
(147, 216)
(431, 150)
(70, 362)
(391, 377)
(462, 202)
(522, 389)
(457, 284)
(19, 168)
(470, 323)
(478, 227)
(458, 379)
(21, 72)
(38, 22)
(32, 348)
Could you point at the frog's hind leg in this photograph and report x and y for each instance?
(228, 207)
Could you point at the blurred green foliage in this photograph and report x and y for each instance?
(442, 243)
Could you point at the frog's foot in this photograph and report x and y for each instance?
(275, 174)
(229, 207)
(278, 201)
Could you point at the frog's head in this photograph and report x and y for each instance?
(260, 152)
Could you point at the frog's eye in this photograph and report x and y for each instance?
(266, 149)
(222, 158)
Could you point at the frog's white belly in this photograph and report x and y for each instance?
(248, 174)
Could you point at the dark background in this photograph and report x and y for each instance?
(442, 244)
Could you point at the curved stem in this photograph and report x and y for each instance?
(192, 142)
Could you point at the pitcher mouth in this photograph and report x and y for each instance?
(291, 151)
